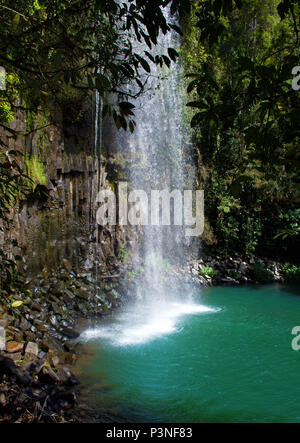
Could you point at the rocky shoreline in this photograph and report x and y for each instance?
(211, 271)
(38, 346)
(38, 332)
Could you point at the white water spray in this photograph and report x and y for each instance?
(144, 322)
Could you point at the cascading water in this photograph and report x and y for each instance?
(159, 159)
(157, 148)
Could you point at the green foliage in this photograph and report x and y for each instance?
(35, 172)
(292, 221)
(12, 187)
(291, 272)
(261, 274)
(208, 271)
(6, 114)
(123, 253)
(234, 273)
(131, 275)
(62, 51)
(7, 98)
(246, 120)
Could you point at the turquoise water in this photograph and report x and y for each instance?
(232, 363)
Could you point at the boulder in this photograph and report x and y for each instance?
(67, 377)
(36, 307)
(61, 400)
(13, 346)
(25, 325)
(67, 265)
(47, 375)
(15, 332)
(32, 348)
(243, 269)
(16, 357)
(52, 344)
(70, 346)
(69, 332)
(83, 293)
(55, 361)
(33, 366)
(69, 358)
(8, 368)
(69, 293)
(2, 399)
(229, 280)
(3, 322)
(2, 338)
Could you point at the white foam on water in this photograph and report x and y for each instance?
(141, 324)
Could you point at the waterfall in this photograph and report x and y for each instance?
(95, 186)
(159, 150)
(97, 160)
(158, 158)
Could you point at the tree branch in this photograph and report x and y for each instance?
(15, 12)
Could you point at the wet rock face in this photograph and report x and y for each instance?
(57, 228)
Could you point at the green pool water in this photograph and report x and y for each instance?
(232, 363)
